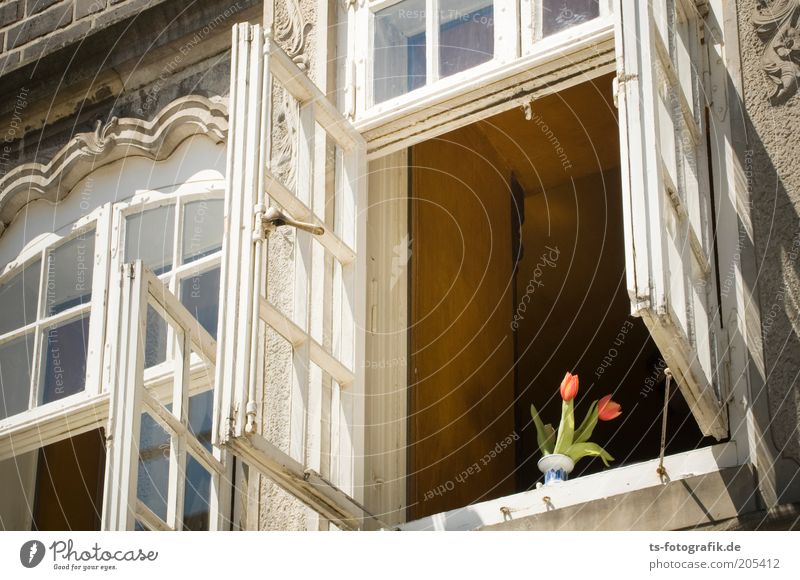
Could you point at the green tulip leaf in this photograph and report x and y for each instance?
(550, 439)
(545, 434)
(586, 428)
(580, 450)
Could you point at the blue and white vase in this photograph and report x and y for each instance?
(556, 467)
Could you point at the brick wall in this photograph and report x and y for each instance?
(31, 29)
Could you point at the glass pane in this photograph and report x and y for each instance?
(196, 495)
(69, 274)
(19, 297)
(149, 237)
(15, 375)
(155, 341)
(466, 34)
(558, 15)
(200, 295)
(399, 46)
(153, 478)
(65, 349)
(200, 417)
(202, 229)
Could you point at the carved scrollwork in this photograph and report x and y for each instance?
(291, 32)
(776, 22)
(109, 142)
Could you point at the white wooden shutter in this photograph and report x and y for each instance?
(666, 196)
(327, 277)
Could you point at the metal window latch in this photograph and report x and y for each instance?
(274, 218)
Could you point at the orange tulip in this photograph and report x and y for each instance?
(569, 386)
(608, 409)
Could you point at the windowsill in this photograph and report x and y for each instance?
(603, 485)
(69, 416)
(563, 47)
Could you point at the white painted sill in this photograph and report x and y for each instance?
(605, 484)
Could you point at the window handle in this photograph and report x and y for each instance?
(275, 218)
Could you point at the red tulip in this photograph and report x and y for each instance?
(608, 409)
(569, 386)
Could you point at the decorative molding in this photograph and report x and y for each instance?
(118, 138)
(776, 22)
(290, 32)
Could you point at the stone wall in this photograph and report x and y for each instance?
(767, 126)
(31, 29)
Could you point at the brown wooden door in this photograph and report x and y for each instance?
(461, 425)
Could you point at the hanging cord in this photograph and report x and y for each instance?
(661, 470)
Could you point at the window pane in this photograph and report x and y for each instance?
(19, 297)
(466, 34)
(200, 295)
(153, 478)
(65, 349)
(399, 46)
(149, 237)
(69, 274)
(15, 375)
(196, 495)
(202, 229)
(200, 417)
(155, 341)
(558, 15)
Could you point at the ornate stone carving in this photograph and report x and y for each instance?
(118, 138)
(776, 22)
(291, 32)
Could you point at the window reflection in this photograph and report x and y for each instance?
(466, 34)
(19, 298)
(15, 375)
(200, 295)
(399, 49)
(65, 348)
(558, 15)
(202, 229)
(69, 274)
(153, 477)
(155, 341)
(149, 237)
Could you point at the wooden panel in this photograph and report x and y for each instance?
(461, 380)
(69, 493)
(570, 134)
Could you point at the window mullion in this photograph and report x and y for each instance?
(432, 44)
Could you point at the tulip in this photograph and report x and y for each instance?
(569, 386)
(608, 409)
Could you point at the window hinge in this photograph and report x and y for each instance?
(619, 82)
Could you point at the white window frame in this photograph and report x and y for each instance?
(515, 52)
(80, 412)
(88, 410)
(395, 125)
(161, 373)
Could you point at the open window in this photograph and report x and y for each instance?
(563, 233)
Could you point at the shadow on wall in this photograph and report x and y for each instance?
(764, 134)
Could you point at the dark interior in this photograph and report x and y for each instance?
(69, 484)
(525, 208)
